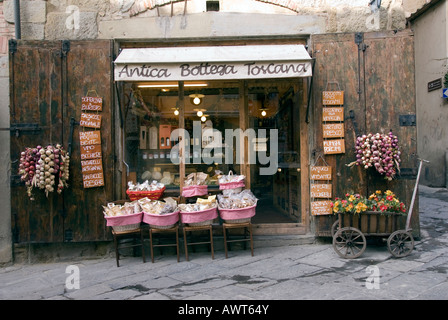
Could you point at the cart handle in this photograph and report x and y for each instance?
(411, 207)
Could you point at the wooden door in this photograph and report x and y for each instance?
(376, 72)
(47, 81)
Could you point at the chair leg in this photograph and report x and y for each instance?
(251, 240)
(177, 243)
(211, 243)
(143, 245)
(224, 232)
(116, 250)
(151, 245)
(186, 245)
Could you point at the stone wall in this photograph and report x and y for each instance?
(90, 19)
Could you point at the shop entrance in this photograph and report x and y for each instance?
(239, 126)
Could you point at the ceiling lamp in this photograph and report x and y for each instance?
(196, 99)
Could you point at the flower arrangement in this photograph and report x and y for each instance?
(378, 201)
(379, 151)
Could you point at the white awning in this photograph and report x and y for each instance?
(212, 63)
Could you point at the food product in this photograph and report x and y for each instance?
(239, 200)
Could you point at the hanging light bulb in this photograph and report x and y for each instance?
(196, 100)
(176, 112)
(203, 118)
(263, 113)
(199, 113)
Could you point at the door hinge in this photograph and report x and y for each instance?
(24, 128)
(12, 46)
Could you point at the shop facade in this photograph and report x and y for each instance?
(261, 97)
(259, 114)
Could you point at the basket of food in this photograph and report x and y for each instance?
(160, 214)
(231, 183)
(195, 185)
(237, 207)
(201, 213)
(124, 217)
(153, 191)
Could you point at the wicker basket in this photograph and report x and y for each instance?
(237, 215)
(153, 195)
(199, 218)
(161, 221)
(125, 223)
(194, 191)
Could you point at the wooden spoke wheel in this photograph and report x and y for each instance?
(400, 243)
(334, 228)
(349, 242)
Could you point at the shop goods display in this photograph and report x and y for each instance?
(153, 190)
(160, 214)
(124, 217)
(231, 183)
(237, 207)
(46, 168)
(195, 185)
(378, 151)
(203, 212)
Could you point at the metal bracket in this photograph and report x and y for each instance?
(25, 128)
(407, 120)
(12, 46)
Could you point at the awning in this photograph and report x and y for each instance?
(212, 63)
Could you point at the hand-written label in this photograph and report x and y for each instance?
(333, 130)
(92, 104)
(93, 180)
(92, 166)
(89, 138)
(321, 190)
(332, 97)
(90, 152)
(320, 173)
(334, 146)
(90, 120)
(319, 208)
(333, 114)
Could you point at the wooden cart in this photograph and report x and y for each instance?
(350, 230)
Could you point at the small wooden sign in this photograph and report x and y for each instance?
(332, 98)
(321, 190)
(334, 146)
(90, 120)
(92, 180)
(320, 173)
(89, 138)
(92, 104)
(333, 114)
(333, 130)
(320, 208)
(90, 152)
(92, 166)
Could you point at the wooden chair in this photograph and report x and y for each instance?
(247, 226)
(152, 231)
(133, 235)
(195, 229)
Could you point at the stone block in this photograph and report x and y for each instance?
(33, 31)
(71, 26)
(30, 11)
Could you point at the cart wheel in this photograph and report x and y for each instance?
(349, 243)
(334, 227)
(400, 243)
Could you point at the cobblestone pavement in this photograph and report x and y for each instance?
(277, 271)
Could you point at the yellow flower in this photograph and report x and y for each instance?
(378, 191)
(351, 198)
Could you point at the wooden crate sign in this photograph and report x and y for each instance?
(321, 190)
(92, 180)
(90, 120)
(333, 130)
(92, 104)
(320, 173)
(92, 166)
(90, 152)
(332, 98)
(89, 138)
(333, 114)
(334, 146)
(320, 208)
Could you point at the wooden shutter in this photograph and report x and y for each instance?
(47, 81)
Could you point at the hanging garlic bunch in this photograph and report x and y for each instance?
(44, 168)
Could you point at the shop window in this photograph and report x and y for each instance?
(264, 112)
(212, 6)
